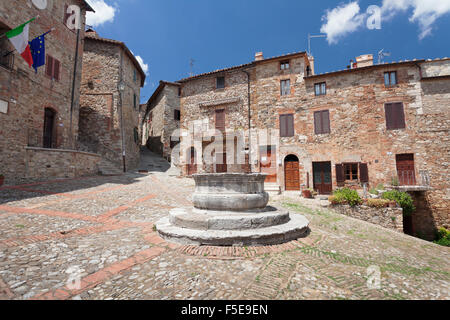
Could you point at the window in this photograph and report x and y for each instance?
(287, 125)
(390, 78)
(220, 120)
(285, 87)
(395, 116)
(135, 101)
(220, 82)
(179, 91)
(322, 122)
(308, 71)
(351, 171)
(284, 65)
(177, 115)
(320, 89)
(52, 68)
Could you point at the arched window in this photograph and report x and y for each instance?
(49, 128)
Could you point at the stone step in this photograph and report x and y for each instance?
(272, 188)
(296, 228)
(227, 220)
(107, 168)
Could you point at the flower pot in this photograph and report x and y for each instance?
(307, 194)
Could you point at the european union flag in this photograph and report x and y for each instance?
(37, 47)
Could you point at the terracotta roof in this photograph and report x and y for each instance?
(92, 35)
(242, 66)
(394, 63)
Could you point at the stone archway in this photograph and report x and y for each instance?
(292, 173)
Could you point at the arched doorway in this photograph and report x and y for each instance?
(191, 161)
(291, 173)
(49, 125)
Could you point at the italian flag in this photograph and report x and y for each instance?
(19, 39)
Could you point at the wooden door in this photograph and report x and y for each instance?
(221, 168)
(192, 165)
(49, 119)
(322, 177)
(268, 164)
(291, 173)
(405, 169)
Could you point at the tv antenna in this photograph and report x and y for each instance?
(382, 54)
(191, 67)
(311, 36)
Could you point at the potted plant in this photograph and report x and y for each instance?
(2, 179)
(307, 194)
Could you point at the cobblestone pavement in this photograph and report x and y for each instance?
(93, 238)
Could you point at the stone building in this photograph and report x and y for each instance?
(359, 127)
(39, 111)
(110, 103)
(162, 118)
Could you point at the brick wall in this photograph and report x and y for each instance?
(28, 93)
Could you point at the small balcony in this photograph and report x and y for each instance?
(408, 183)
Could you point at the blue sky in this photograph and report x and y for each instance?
(166, 34)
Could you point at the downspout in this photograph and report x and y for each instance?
(249, 120)
(121, 89)
(73, 90)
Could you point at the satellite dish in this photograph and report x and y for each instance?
(40, 4)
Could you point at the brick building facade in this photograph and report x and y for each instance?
(110, 101)
(39, 111)
(366, 125)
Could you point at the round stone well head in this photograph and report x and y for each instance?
(230, 191)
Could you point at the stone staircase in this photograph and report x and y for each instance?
(273, 188)
(107, 168)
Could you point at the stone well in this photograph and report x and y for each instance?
(231, 210)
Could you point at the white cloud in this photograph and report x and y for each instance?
(103, 13)
(425, 12)
(341, 21)
(144, 66)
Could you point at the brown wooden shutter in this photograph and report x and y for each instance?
(290, 125)
(220, 120)
(390, 124)
(340, 177)
(363, 172)
(56, 69)
(317, 123)
(399, 117)
(283, 129)
(49, 66)
(326, 121)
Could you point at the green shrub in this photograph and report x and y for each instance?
(374, 191)
(395, 182)
(403, 199)
(348, 196)
(380, 187)
(336, 200)
(443, 237)
(378, 203)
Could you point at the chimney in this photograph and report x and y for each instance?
(259, 56)
(311, 64)
(91, 32)
(365, 60)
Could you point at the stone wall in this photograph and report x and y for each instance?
(356, 102)
(103, 109)
(391, 218)
(59, 164)
(27, 93)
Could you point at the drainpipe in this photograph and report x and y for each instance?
(121, 88)
(73, 90)
(249, 120)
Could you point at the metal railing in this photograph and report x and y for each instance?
(7, 59)
(407, 178)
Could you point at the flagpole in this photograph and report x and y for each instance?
(4, 35)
